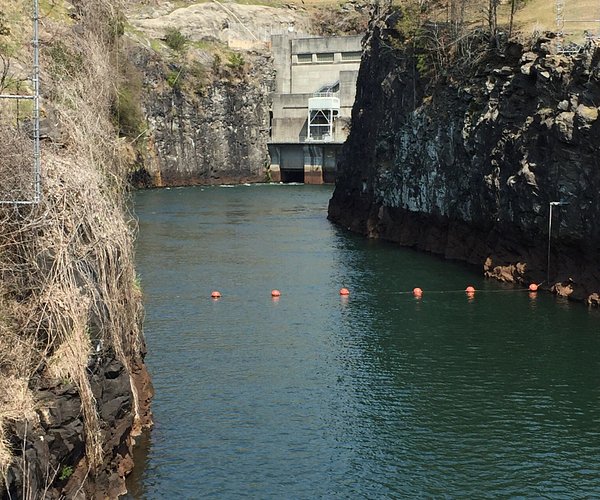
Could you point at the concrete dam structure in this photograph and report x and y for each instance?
(312, 105)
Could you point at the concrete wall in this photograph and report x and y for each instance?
(309, 76)
(290, 117)
(282, 53)
(348, 90)
(303, 66)
(315, 45)
(294, 76)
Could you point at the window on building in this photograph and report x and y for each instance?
(304, 58)
(351, 56)
(325, 57)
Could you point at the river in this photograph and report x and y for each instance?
(378, 395)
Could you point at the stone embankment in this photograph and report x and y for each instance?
(466, 165)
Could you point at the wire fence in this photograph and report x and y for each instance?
(576, 31)
(20, 161)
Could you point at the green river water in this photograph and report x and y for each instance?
(379, 395)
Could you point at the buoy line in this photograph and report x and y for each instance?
(478, 290)
(419, 292)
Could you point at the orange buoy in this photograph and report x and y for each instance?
(533, 287)
(417, 292)
(470, 289)
(344, 291)
(275, 293)
(216, 295)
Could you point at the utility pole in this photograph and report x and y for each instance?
(551, 205)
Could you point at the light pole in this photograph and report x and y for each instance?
(552, 204)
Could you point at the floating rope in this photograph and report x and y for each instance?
(470, 291)
(459, 291)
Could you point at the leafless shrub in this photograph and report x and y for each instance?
(66, 264)
(16, 164)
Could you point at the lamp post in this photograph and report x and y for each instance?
(551, 204)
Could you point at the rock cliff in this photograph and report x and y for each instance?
(51, 460)
(465, 163)
(211, 129)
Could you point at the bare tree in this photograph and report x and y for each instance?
(492, 19)
(513, 6)
(4, 70)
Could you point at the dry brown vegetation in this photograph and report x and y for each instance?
(66, 265)
(529, 17)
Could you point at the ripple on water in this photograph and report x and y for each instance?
(375, 396)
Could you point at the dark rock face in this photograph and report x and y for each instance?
(467, 167)
(208, 132)
(50, 450)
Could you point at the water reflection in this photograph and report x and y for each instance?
(372, 395)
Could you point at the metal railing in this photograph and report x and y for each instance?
(325, 94)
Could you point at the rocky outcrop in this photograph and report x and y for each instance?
(466, 165)
(211, 129)
(235, 23)
(50, 449)
(223, 21)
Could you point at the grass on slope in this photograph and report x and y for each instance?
(540, 15)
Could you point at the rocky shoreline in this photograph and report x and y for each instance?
(51, 447)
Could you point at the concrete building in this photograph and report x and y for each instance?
(315, 90)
